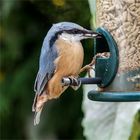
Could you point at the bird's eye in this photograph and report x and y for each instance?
(75, 31)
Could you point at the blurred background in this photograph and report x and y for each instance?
(23, 27)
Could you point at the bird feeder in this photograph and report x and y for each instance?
(118, 23)
(118, 76)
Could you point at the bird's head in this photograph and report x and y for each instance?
(70, 31)
(76, 34)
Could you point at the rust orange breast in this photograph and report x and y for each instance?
(70, 58)
(68, 63)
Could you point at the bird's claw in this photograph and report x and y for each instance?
(87, 68)
(75, 82)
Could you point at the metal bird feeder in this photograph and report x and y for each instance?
(116, 87)
(118, 22)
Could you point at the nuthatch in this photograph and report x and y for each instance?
(61, 56)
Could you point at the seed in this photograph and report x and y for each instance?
(132, 50)
(129, 1)
(121, 18)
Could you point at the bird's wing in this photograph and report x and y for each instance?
(46, 70)
(46, 67)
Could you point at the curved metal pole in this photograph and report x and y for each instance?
(114, 96)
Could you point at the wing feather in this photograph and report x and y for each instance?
(46, 67)
(46, 64)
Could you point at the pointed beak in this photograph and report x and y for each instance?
(91, 34)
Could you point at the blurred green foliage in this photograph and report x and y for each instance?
(23, 27)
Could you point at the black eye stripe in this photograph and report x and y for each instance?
(74, 31)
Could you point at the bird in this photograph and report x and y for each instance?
(61, 56)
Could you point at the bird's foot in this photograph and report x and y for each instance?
(89, 66)
(75, 83)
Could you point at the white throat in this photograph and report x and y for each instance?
(70, 37)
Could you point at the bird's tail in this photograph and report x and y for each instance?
(37, 111)
(37, 107)
(34, 103)
(37, 116)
